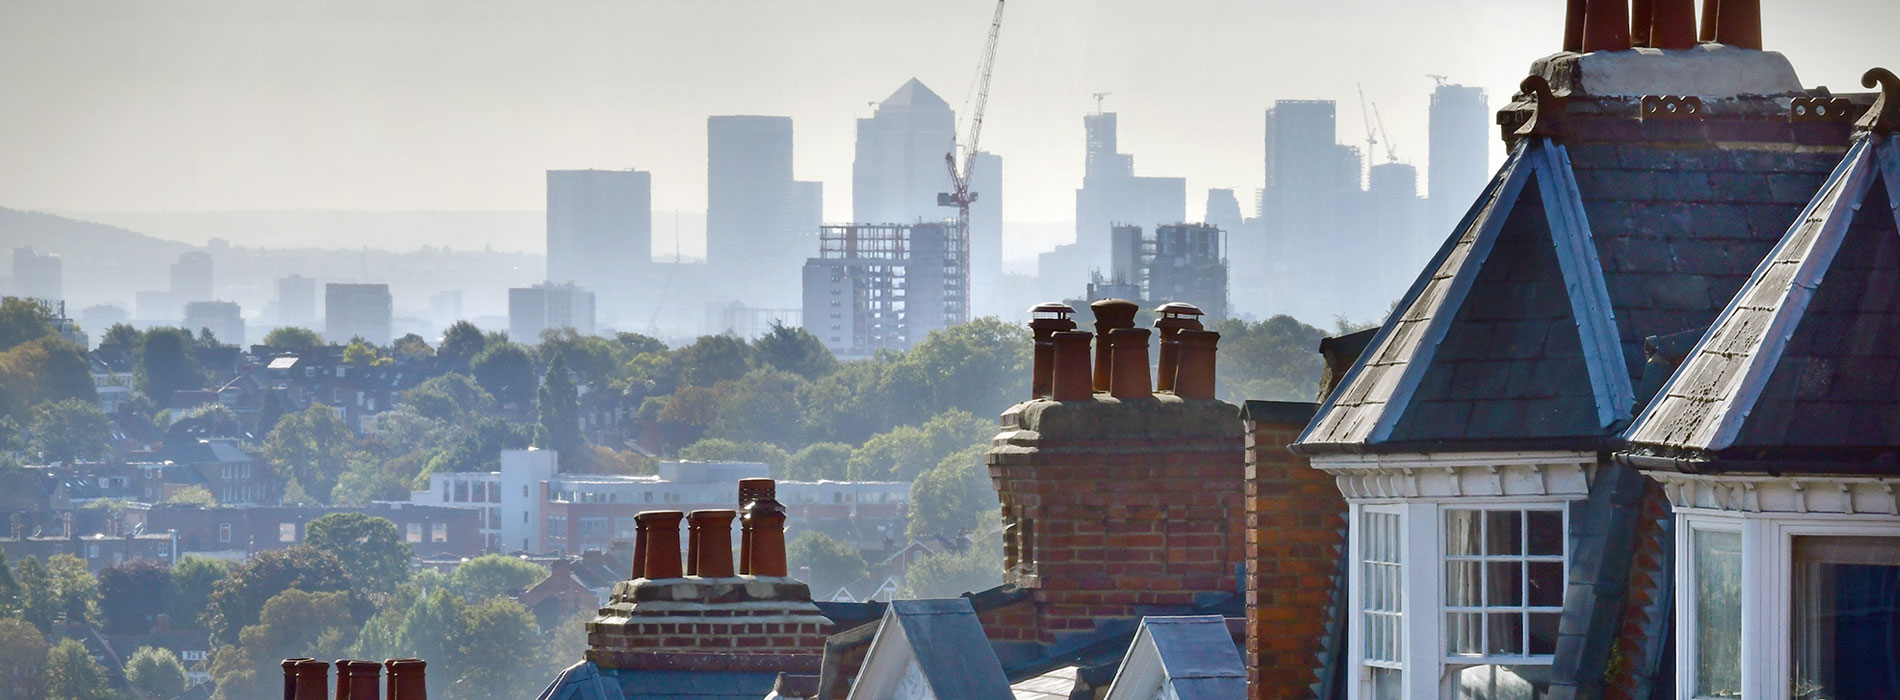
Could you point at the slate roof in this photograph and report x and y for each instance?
(1196, 660)
(1527, 329)
(585, 681)
(1803, 362)
(945, 642)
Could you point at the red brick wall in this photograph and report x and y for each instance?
(1116, 506)
(1295, 515)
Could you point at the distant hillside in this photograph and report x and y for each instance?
(75, 240)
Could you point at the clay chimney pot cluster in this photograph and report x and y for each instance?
(1618, 25)
(656, 543)
(1186, 362)
(306, 678)
(1045, 321)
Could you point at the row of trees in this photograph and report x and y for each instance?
(347, 592)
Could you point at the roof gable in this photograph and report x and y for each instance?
(1512, 318)
(933, 648)
(1803, 357)
(1180, 658)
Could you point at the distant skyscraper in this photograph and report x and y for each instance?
(223, 318)
(297, 301)
(37, 276)
(191, 278)
(1111, 194)
(1311, 206)
(1398, 217)
(1460, 162)
(549, 306)
(156, 308)
(98, 318)
(752, 216)
(1223, 210)
(899, 169)
(808, 208)
(600, 232)
(353, 310)
(986, 236)
(445, 307)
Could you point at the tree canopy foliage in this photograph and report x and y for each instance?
(370, 549)
(832, 563)
(292, 338)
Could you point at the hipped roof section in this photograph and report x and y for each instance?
(1803, 365)
(1509, 339)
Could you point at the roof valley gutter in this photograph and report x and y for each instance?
(1652, 462)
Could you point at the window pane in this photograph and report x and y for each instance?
(1847, 617)
(1503, 532)
(1502, 683)
(1505, 633)
(1547, 583)
(1718, 613)
(1387, 684)
(1546, 536)
(1462, 585)
(1463, 634)
(1504, 583)
(1461, 533)
(1543, 632)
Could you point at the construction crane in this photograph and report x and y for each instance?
(1098, 100)
(960, 195)
(1372, 141)
(1391, 150)
(1438, 79)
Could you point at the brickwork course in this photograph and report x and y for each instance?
(1296, 523)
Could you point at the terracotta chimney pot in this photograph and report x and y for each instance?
(751, 490)
(663, 542)
(1110, 314)
(1071, 381)
(313, 680)
(1738, 24)
(1046, 320)
(639, 551)
(358, 680)
(290, 676)
(1606, 26)
(1672, 24)
(1175, 317)
(767, 520)
(1195, 378)
(1130, 358)
(710, 547)
(408, 679)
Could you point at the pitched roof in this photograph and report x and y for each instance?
(914, 96)
(1509, 334)
(1185, 658)
(1803, 361)
(936, 645)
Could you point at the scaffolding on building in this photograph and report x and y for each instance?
(902, 281)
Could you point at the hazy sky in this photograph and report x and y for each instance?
(461, 104)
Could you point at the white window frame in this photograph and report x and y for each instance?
(1362, 678)
(1452, 661)
(1767, 588)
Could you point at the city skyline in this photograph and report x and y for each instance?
(211, 125)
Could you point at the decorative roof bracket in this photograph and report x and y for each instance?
(1547, 120)
(1885, 115)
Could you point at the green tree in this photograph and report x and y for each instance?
(559, 425)
(952, 497)
(132, 594)
(166, 365)
(70, 430)
(39, 597)
(710, 360)
(461, 343)
(817, 462)
(369, 547)
(411, 346)
(22, 659)
(238, 599)
(273, 409)
(637, 344)
(793, 349)
(1271, 359)
(592, 358)
(43, 370)
(496, 656)
(192, 495)
(952, 574)
(904, 452)
(761, 406)
(833, 563)
(493, 575)
(23, 320)
(74, 586)
(362, 353)
(72, 674)
(506, 372)
(291, 623)
(313, 446)
(156, 672)
(851, 404)
(981, 367)
(123, 335)
(193, 579)
(723, 450)
(691, 410)
(452, 398)
(9, 589)
(293, 338)
(479, 450)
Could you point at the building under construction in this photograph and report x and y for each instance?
(1180, 262)
(885, 286)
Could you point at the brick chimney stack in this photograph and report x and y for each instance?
(1122, 503)
(706, 617)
